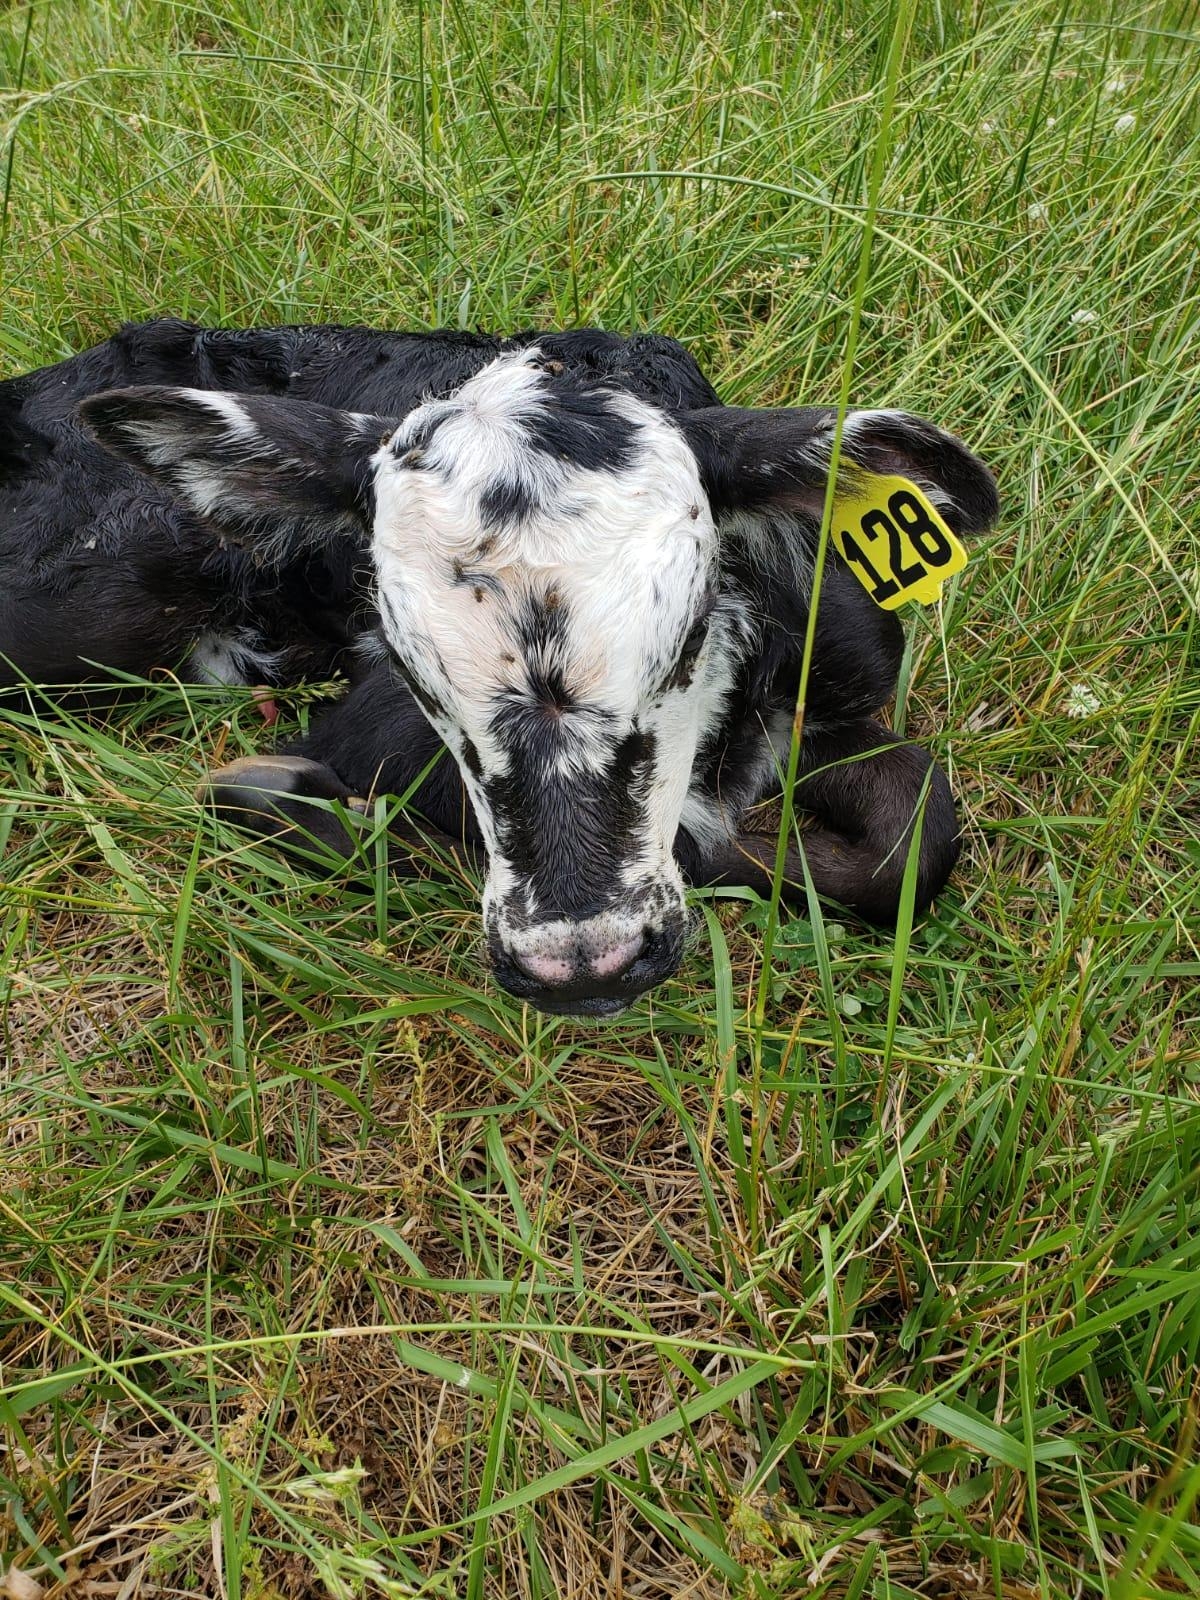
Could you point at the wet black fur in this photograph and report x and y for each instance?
(104, 567)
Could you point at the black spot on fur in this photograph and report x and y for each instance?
(537, 723)
(506, 501)
(542, 624)
(482, 583)
(470, 758)
(685, 668)
(413, 440)
(429, 704)
(683, 672)
(582, 427)
(548, 692)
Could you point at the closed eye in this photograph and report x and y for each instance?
(698, 632)
(681, 674)
(428, 701)
(396, 661)
(694, 642)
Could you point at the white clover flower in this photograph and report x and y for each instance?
(1082, 701)
(1125, 124)
(987, 128)
(1036, 211)
(1051, 122)
(1083, 318)
(1117, 84)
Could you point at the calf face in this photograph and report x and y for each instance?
(545, 561)
(546, 569)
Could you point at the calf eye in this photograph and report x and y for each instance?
(694, 642)
(681, 673)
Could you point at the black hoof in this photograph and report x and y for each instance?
(273, 796)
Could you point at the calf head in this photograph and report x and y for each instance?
(547, 570)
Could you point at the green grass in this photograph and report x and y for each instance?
(326, 1268)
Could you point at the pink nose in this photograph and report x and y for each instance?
(546, 969)
(617, 958)
(554, 971)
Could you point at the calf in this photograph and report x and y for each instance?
(557, 555)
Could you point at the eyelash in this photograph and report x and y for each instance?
(698, 632)
(694, 642)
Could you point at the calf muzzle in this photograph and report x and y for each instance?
(579, 976)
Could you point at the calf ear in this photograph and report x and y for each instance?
(779, 460)
(273, 474)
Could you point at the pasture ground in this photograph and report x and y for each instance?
(873, 1271)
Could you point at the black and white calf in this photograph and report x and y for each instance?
(556, 554)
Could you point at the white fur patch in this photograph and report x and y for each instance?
(232, 658)
(624, 556)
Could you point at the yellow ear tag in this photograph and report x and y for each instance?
(894, 541)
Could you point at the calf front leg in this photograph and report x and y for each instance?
(866, 790)
(273, 797)
(373, 741)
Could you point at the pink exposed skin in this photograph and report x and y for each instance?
(267, 709)
(616, 958)
(546, 969)
(559, 969)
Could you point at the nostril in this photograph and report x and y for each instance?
(546, 969)
(617, 958)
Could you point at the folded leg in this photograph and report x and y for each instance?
(374, 741)
(273, 797)
(866, 791)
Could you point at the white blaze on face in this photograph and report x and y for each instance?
(548, 556)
